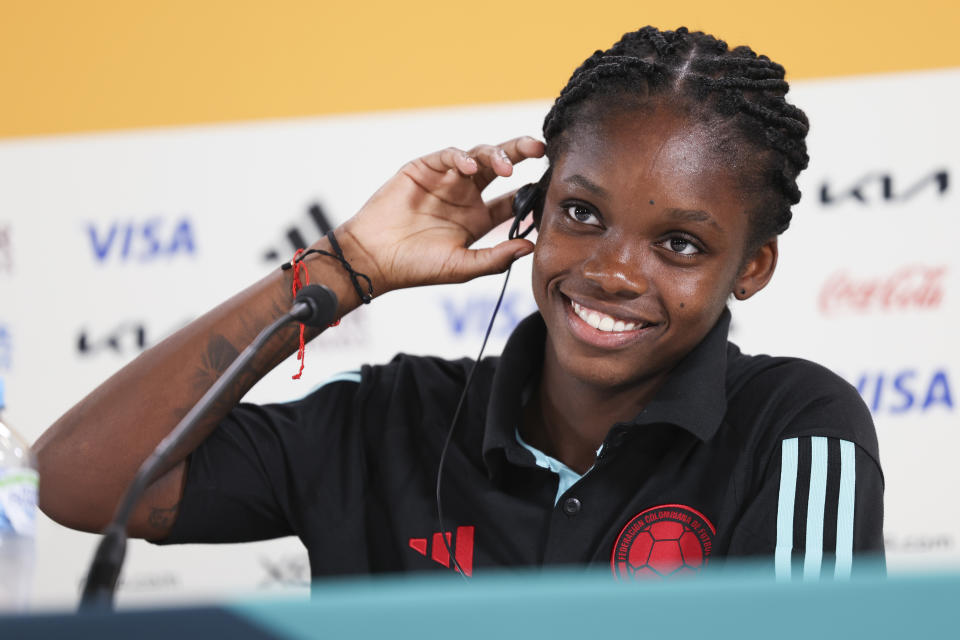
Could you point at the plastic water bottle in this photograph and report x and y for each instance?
(18, 516)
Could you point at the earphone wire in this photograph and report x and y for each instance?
(453, 423)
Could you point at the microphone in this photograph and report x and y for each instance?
(316, 306)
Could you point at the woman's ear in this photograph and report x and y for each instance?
(757, 271)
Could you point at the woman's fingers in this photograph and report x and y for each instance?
(450, 158)
(473, 263)
(483, 163)
(498, 160)
(523, 147)
(445, 175)
(493, 159)
(418, 225)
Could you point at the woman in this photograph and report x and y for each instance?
(619, 426)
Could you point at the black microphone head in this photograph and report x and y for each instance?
(319, 305)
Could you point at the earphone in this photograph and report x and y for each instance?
(527, 200)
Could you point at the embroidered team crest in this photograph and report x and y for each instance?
(663, 541)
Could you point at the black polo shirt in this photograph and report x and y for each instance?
(735, 456)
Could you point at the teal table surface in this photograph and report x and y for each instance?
(553, 604)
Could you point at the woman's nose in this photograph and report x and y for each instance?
(618, 269)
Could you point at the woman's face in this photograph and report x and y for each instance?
(642, 239)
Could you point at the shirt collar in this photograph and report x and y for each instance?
(520, 361)
(693, 397)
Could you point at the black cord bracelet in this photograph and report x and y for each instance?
(365, 297)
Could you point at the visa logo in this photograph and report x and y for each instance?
(141, 241)
(905, 391)
(471, 316)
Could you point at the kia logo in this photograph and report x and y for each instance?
(885, 187)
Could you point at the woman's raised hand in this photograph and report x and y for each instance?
(416, 229)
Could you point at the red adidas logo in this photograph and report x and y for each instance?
(462, 549)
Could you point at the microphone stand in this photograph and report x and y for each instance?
(101, 583)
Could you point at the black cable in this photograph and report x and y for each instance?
(453, 423)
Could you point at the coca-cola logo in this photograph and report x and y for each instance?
(910, 287)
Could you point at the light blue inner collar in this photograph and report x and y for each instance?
(566, 477)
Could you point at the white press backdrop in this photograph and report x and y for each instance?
(110, 241)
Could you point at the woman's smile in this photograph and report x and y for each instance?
(603, 330)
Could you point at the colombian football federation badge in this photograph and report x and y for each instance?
(664, 541)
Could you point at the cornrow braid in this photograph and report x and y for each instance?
(592, 79)
(735, 84)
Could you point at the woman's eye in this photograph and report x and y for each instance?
(581, 214)
(682, 246)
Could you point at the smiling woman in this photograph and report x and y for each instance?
(605, 254)
(618, 426)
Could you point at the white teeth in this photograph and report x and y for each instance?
(601, 321)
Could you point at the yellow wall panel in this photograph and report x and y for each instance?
(114, 64)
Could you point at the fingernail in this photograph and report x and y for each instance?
(519, 253)
(506, 158)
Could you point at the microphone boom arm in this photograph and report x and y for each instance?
(101, 582)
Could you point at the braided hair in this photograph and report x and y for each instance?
(742, 90)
